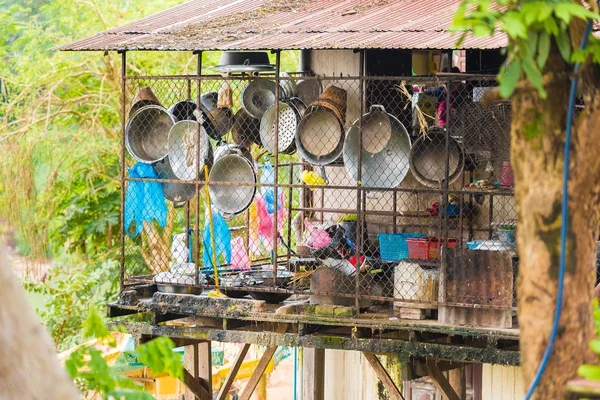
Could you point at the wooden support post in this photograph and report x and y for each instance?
(194, 387)
(314, 374)
(198, 360)
(457, 379)
(439, 380)
(258, 373)
(233, 372)
(205, 366)
(383, 376)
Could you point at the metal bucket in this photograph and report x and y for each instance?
(246, 129)
(385, 149)
(233, 164)
(178, 193)
(183, 139)
(288, 122)
(258, 96)
(428, 158)
(320, 136)
(147, 133)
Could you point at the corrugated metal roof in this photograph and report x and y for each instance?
(290, 24)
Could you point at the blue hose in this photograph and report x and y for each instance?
(564, 225)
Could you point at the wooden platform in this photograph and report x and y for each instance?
(188, 319)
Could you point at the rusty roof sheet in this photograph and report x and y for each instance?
(291, 24)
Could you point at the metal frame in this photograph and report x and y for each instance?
(361, 190)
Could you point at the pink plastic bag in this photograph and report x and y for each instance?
(239, 256)
(318, 237)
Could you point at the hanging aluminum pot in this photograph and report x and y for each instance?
(320, 136)
(233, 164)
(147, 132)
(178, 193)
(298, 104)
(287, 85)
(183, 141)
(385, 149)
(288, 122)
(428, 158)
(183, 110)
(258, 96)
(309, 90)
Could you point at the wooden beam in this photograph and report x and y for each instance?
(258, 373)
(195, 386)
(440, 381)
(233, 372)
(383, 376)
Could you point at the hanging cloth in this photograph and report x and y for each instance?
(222, 239)
(144, 201)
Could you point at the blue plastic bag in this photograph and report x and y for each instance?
(267, 177)
(222, 239)
(144, 201)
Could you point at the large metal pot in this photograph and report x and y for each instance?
(233, 164)
(147, 132)
(384, 152)
(183, 141)
(288, 122)
(428, 158)
(309, 90)
(258, 96)
(183, 110)
(178, 193)
(320, 136)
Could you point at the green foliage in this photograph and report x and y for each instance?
(93, 375)
(531, 27)
(588, 371)
(73, 293)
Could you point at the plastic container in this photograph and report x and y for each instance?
(426, 248)
(394, 246)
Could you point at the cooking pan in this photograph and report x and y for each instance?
(428, 158)
(385, 149)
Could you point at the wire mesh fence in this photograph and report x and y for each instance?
(358, 191)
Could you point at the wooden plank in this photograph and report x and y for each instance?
(261, 367)
(313, 374)
(457, 379)
(195, 386)
(383, 376)
(205, 366)
(258, 373)
(233, 372)
(440, 381)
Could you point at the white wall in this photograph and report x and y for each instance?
(502, 383)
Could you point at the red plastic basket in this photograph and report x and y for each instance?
(427, 248)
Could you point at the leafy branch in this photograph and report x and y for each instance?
(532, 27)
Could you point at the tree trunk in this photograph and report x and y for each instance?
(29, 367)
(537, 134)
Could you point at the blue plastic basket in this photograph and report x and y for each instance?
(393, 246)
